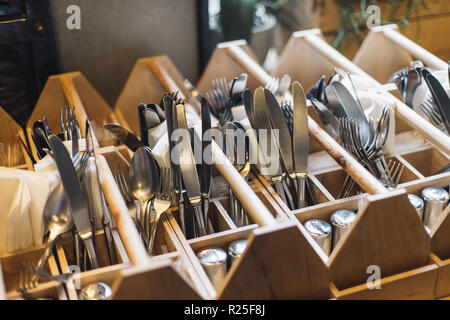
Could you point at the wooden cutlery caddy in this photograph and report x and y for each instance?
(282, 261)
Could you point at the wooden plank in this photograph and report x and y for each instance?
(387, 232)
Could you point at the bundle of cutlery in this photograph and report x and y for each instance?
(77, 205)
(427, 92)
(343, 117)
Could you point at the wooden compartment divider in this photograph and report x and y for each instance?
(8, 135)
(394, 51)
(73, 89)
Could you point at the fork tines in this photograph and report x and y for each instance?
(69, 120)
(394, 172)
(219, 100)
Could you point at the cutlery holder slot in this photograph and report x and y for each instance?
(428, 162)
(333, 182)
(13, 264)
(51, 290)
(100, 249)
(414, 284)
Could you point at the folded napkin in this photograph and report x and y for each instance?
(24, 194)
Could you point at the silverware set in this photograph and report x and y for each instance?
(77, 204)
(343, 117)
(435, 105)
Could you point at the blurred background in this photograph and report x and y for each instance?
(35, 40)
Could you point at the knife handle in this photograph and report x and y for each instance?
(301, 181)
(89, 244)
(199, 218)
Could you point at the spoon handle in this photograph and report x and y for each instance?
(44, 257)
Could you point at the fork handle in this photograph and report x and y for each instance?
(44, 257)
(154, 227)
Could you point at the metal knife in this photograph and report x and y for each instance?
(262, 122)
(125, 136)
(77, 201)
(300, 141)
(171, 123)
(97, 203)
(188, 169)
(328, 119)
(353, 110)
(440, 97)
(206, 163)
(237, 88)
(248, 104)
(284, 140)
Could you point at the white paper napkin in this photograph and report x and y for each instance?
(24, 194)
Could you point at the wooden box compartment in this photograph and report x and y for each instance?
(397, 53)
(406, 269)
(12, 153)
(73, 89)
(439, 233)
(414, 284)
(14, 272)
(428, 161)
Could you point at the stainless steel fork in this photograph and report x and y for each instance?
(219, 99)
(68, 120)
(161, 203)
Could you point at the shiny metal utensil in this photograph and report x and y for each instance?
(125, 136)
(435, 200)
(76, 198)
(96, 291)
(441, 99)
(268, 155)
(248, 105)
(57, 220)
(144, 182)
(417, 204)
(300, 141)
(206, 164)
(328, 119)
(219, 100)
(341, 221)
(132, 206)
(214, 262)
(236, 249)
(172, 124)
(160, 204)
(321, 232)
(188, 169)
(238, 86)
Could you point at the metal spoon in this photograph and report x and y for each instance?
(144, 180)
(57, 220)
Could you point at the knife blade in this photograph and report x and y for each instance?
(262, 122)
(248, 105)
(300, 141)
(188, 168)
(206, 163)
(353, 110)
(279, 122)
(125, 136)
(77, 201)
(440, 97)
